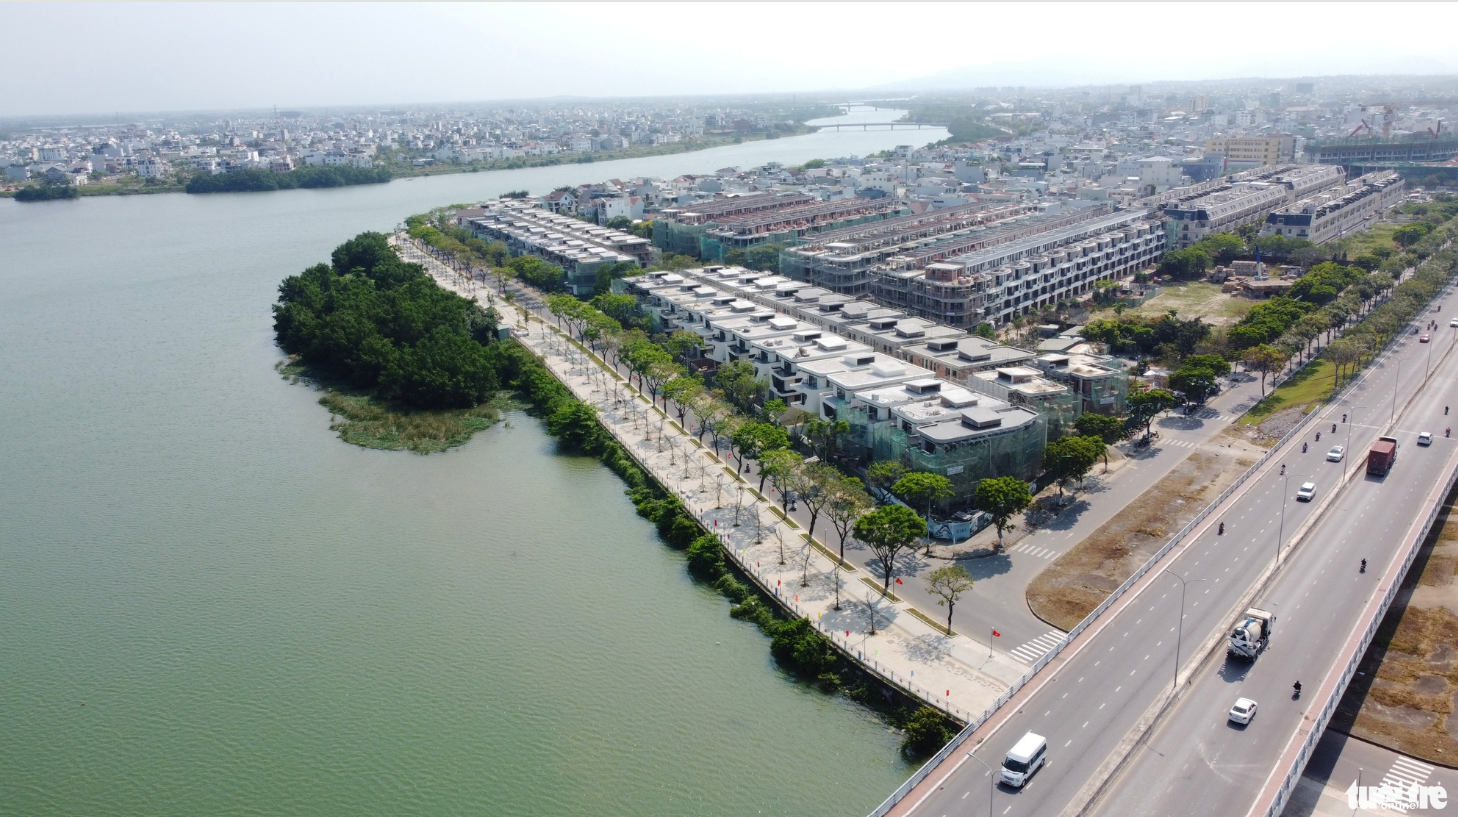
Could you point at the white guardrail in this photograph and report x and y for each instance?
(974, 724)
(1319, 723)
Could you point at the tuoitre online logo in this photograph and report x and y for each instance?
(1395, 797)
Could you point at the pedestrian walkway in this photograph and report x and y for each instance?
(1030, 652)
(1041, 553)
(1404, 774)
(956, 673)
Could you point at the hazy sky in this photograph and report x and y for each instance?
(78, 58)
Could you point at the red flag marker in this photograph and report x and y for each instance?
(898, 581)
(996, 634)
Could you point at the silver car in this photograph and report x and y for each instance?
(1335, 454)
(1243, 710)
(1306, 492)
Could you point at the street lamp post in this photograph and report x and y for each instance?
(1180, 625)
(1395, 381)
(1281, 532)
(991, 781)
(1348, 450)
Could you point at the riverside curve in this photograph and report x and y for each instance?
(958, 687)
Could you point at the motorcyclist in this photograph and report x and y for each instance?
(1333, 428)
(1222, 529)
(1364, 566)
(1283, 469)
(1344, 418)
(1318, 436)
(1303, 448)
(1297, 687)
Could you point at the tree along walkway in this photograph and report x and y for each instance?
(957, 674)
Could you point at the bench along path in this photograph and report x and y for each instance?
(958, 674)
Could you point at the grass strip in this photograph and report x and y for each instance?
(935, 625)
(871, 583)
(847, 566)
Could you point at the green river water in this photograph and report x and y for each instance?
(209, 605)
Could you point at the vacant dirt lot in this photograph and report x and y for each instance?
(1407, 692)
(1079, 580)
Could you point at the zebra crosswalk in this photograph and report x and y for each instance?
(1405, 773)
(1035, 649)
(1179, 443)
(1041, 553)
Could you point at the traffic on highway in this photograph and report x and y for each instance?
(1117, 741)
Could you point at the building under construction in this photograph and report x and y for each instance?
(711, 229)
(841, 260)
(1020, 266)
(1339, 211)
(1247, 200)
(580, 248)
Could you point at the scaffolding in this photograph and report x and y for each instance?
(1012, 452)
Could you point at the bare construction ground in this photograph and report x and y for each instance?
(1079, 580)
(1407, 689)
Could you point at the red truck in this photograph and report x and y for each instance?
(1381, 457)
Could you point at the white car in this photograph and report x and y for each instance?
(1243, 710)
(1306, 492)
(1425, 438)
(1335, 454)
(1453, 323)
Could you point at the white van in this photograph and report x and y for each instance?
(1025, 758)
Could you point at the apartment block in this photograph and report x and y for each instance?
(1257, 150)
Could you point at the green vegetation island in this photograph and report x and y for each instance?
(409, 365)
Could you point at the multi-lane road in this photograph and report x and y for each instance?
(1088, 699)
(1196, 762)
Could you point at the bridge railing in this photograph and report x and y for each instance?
(1298, 766)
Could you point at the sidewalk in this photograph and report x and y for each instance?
(958, 674)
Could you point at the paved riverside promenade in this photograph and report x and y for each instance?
(959, 674)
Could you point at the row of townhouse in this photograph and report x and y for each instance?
(1247, 201)
(1008, 279)
(931, 396)
(841, 260)
(580, 248)
(1340, 211)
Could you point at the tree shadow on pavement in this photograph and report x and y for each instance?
(987, 567)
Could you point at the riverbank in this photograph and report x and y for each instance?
(686, 146)
(133, 186)
(885, 637)
(362, 420)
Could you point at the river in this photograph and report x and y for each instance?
(209, 605)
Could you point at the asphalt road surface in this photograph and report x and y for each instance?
(1199, 762)
(1100, 689)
